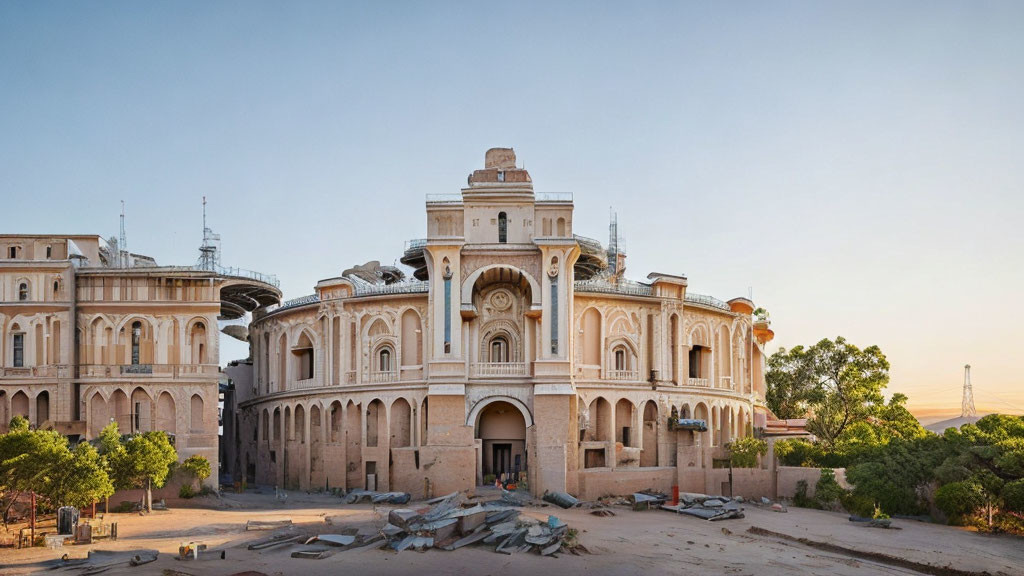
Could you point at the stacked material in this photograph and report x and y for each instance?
(357, 496)
(446, 524)
(707, 507)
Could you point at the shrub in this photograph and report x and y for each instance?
(743, 452)
(800, 497)
(827, 492)
(197, 467)
(186, 491)
(958, 499)
(1013, 496)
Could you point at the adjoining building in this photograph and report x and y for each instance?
(92, 334)
(516, 349)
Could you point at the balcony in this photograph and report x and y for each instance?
(489, 369)
(303, 384)
(48, 371)
(630, 375)
(698, 382)
(147, 370)
(383, 377)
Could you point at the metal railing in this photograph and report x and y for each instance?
(499, 369)
(631, 375)
(382, 377)
(705, 300)
(407, 287)
(553, 197)
(220, 270)
(294, 303)
(622, 286)
(415, 243)
(444, 198)
(698, 382)
(303, 384)
(154, 370)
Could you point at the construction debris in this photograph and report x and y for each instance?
(706, 507)
(267, 524)
(446, 524)
(99, 561)
(561, 499)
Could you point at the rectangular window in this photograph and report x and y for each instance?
(447, 315)
(554, 315)
(49, 252)
(695, 362)
(19, 350)
(12, 253)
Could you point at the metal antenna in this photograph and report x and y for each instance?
(967, 405)
(122, 249)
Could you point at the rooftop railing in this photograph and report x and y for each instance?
(709, 301)
(622, 286)
(444, 198)
(553, 197)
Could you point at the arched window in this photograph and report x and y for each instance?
(620, 359)
(499, 349)
(23, 291)
(502, 227)
(136, 339)
(56, 288)
(384, 364)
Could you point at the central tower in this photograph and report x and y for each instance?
(500, 264)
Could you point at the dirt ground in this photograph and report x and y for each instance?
(652, 542)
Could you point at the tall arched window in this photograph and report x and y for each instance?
(499, 349)
(502, 227)
(620, 359)
(18, 341)
(384, 357)
(23, 291)
(136, 339)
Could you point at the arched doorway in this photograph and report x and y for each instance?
(501, 429)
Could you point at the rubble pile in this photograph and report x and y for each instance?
(707, 507)
(448, 523)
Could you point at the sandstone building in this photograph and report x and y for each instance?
(91, 334)
(516, 348)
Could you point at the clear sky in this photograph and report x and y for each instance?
(859, 164)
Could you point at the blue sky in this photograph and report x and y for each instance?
(857, 164)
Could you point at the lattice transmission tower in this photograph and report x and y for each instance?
(967, 406)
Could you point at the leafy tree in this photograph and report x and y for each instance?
(836, 381)
(1013, 496)
(957, 499)
(743, 452)
(78, 478)
(197, 467)
(26, 458)
(143, 461)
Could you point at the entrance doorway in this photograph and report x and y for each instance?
(501, 429)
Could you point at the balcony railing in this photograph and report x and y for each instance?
(150, 370)
(604, 286)
(382, 377)
(499, 369)
(708, 301)
(698, 382)
(631, 375)
(48, 371)
(303, 384)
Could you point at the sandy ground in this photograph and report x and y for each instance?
(652, 542)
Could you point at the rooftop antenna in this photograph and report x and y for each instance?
(122, 248)
(613, 241)
(967, 405)
(209, 252)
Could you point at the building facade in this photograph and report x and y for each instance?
(515, 349)
(92, 334)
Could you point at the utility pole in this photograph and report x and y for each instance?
(967, 404)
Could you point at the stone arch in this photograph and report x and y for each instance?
(125, 335)
(120, 411)
(353, 445)
(470, 283)
(700, 335)
(591, 328)
(471, 418)
(334, 414)
(600, 420)
(300, 423)
(198, 341)
(412, 338)
(265, 426)
(375, 419)
(649, 438)
(42, 408)
(20, 405)
(196, 413)
(303, 354)
(500, 427)
(624, 429)
(166, 415)
(316, 457)
(141, 408)
(400, 421)
(684, 411)
(501, 328)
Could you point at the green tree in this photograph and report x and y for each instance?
(743, 452)
(197, 467)
(1013, 496)
(958, 499)
(143, 461)
(79, 478)
(838, 382)
(27, 457)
